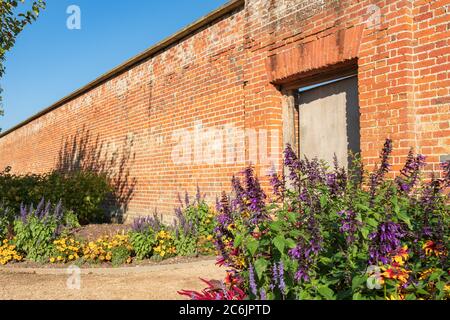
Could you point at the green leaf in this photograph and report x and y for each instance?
(323, 201)
(372, 222)
(411, 296)
(326, 292)
(402, 216)
(279, 243)
(290, 243)
(357, 296)
(252, 246)
(422, 291)
(365, 233)
(358, 281)
(275, 226)
(261, 266)
(435, 275)
(237, 240)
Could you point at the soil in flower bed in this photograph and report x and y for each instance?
(94, 231)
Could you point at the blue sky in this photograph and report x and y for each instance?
(49, 61)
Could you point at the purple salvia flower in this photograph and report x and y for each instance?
(332, 183)
(198, 195)
(40, 209)
(275, 277)
(263, 294)
(315, 171)
(141, 224)
(59, 212)
(239, 194)
(186, 199)
(23, 213)
(278, 185)
(294, 164)
(252, 283)
(255, 197)
(410, 172)
(349, 225)
(377, 177)
(281, 282)
(304, 254)
(224, 220)
(386, 240)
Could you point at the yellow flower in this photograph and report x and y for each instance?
(52, 260)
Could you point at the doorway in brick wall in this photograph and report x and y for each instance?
(329, 120)
(322, 117)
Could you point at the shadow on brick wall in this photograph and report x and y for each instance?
(84, 152)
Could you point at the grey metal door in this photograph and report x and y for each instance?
(329, 121)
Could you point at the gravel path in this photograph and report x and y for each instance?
(159, 282)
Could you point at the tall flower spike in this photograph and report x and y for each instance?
(278, 185)
(294, 165)
(239, 194)
(377, 177)
(411, 172)
(252, 282)
(386, 240)
(255, 196)
(349, 225)
(281, 282)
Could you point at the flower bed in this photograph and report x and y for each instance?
(335, 234)
(45, 234)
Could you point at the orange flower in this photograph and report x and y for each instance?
(432, 247)
(394, 273)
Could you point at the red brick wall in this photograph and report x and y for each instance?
(230, 74)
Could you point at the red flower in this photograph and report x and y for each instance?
(215, 291)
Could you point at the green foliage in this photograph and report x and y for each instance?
(194, 229)
(35, 237)
(149, 243)
(143, 243)
(70, 220)
(4, 223)
(82, 192)
(120, 256)
(186, 245)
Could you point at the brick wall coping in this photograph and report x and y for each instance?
(152, 51)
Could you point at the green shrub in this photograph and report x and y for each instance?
(194, 228)
(186, 245)
(143, 243)
(70, 220)
(35, 237)
(37, 228)
(120, 256)
(85, 193)
(6, 218)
